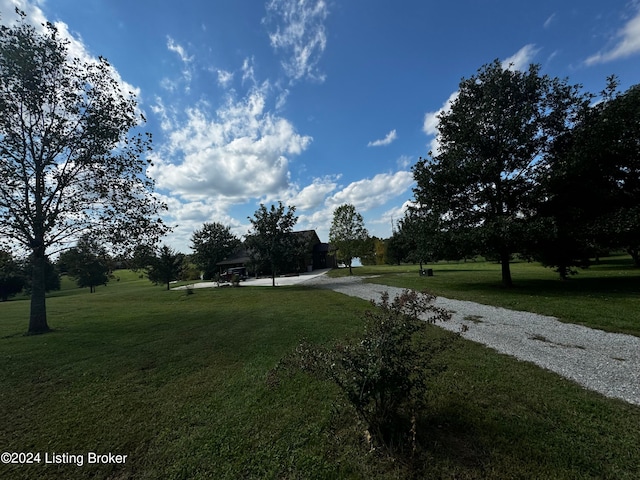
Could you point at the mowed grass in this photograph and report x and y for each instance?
(180, 384)
(604, 296)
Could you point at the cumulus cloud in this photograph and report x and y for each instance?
(374, 192)
(313, 196)
(186, 217)
(239, 152)
(627, 44)
(390, 137)
(300, 34)
(393, 215)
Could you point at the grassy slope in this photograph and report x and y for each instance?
(179, 383)
(605, 296)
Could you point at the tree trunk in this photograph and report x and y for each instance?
(38, 315)
(506, 269)
(635, 254)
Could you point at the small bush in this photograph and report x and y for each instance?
(384, 374)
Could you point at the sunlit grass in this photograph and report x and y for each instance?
(180, 384)
(604, 296)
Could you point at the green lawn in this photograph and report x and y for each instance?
(180, 384)
(604, 296)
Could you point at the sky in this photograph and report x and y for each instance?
(318, 103)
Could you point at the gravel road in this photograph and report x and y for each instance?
(608, 363)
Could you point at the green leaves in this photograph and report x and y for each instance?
(384, 374)
(483, 180)
(347, 233)
(211, 244)
(270, 243)
(71, 161)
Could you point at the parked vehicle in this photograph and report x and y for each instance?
(228, 274)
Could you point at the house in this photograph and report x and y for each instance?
(312, 256)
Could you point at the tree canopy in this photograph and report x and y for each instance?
(211, 244)
(87, 262)
(481, 183)
(269, 242)
(348, 234)
(71, 158)
(166, 266)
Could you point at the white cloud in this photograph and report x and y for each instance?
(430, 124)
(224, 78)
(549, 20)
(239, 152)
(404, 161)
(76, 48)
(187, 71)
(186, 217)
(300, 34)
(393, 215)
(391, 136)
(370, 193)
(247, 71)
(628, 43)
(521, 59)
(312, 196)
(35, 16)
(179, 49)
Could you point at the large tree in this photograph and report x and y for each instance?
(348, 234)
(211, 244)
(270, 241)
(591, 190)
(607, 149)
(71, 159)
(482, 180)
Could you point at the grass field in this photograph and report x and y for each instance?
(180, 384)
(604, 296)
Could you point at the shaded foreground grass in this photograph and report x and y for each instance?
(179, 383)
(604, 296)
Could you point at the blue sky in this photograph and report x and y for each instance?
(317, 103)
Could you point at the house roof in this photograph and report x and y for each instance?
(240, 256)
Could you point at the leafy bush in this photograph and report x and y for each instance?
(384, 374)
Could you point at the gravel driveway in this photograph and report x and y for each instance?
(608, 363)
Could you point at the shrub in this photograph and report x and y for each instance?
(384, 374)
